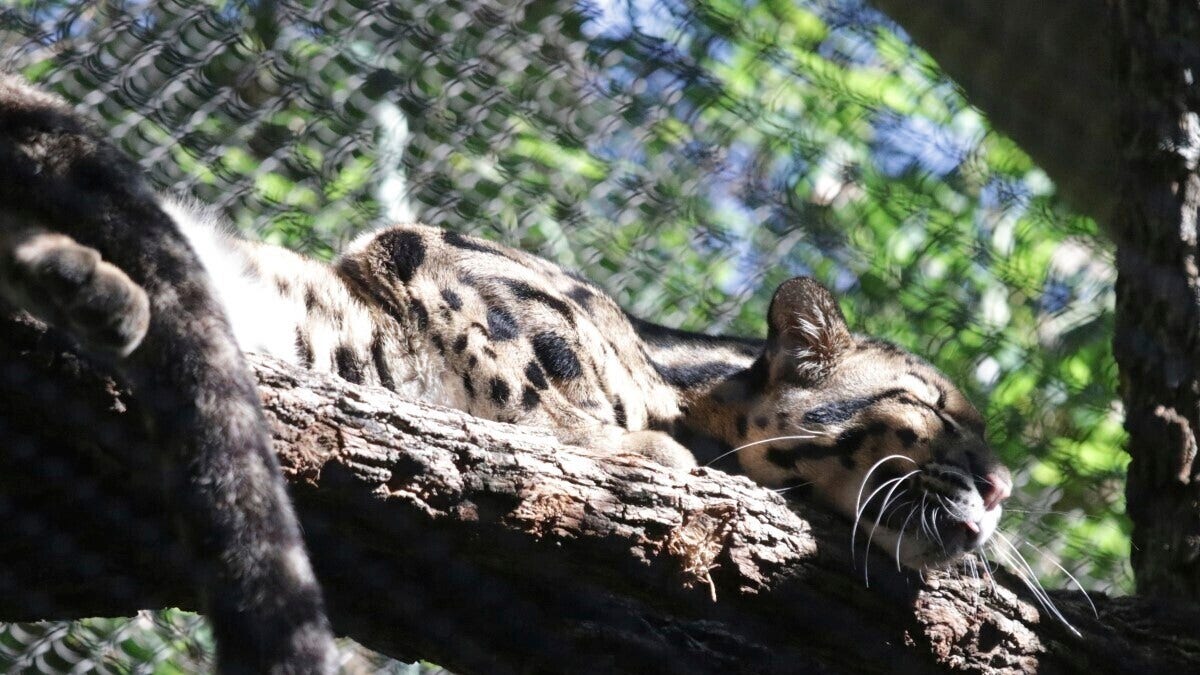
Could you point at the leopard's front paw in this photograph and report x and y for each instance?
(659, 447)
(68, 285)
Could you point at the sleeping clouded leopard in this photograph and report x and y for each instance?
(866, 427)
(500, 333)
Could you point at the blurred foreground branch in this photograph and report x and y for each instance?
(487, 547)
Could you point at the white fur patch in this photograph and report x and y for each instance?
(260, 321)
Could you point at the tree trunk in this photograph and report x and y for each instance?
(490, 548)
(1158, 288)
(1105, 100)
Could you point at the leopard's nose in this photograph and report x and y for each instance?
(995, 487)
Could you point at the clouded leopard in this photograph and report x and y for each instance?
(503, 334)
(866, 427)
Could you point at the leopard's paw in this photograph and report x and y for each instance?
(659, 447)
(71, 287)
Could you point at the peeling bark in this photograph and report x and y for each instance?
(491, 548)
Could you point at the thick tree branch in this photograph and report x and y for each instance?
(491, 548)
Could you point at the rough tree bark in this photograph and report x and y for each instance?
(490, 548)
(1104, 97)
(1158, 289)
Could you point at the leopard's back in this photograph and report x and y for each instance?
(517, 338)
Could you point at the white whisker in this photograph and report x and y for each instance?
(1018, 562)
(763, 441)
(924, 523)
(1046, 556)
(882, 509)
(782, 490)
(862, 509)
(900, 535)
(858, 501)
(990, 574)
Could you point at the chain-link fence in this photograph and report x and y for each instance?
(688, 156)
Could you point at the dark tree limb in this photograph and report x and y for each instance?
(490, 548)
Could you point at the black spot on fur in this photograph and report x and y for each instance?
(884, 346)
(849, 441)
(438, 343)
(304, 348)
(500, 391)
(782, 457)
(467, 385)
(379, 360)
(691, 375)
(468, 244)
(838, 412)
(848, 461)
(489, 352)
(418, 313)
(530, 398)
(907, 436)
(582, 295)
(883, 475)
(761, 421)
(758, 375)
(941, 399)
(556, 356)
(919, 378)
(348, 366)
(528, 293)
(406, 251)
(453, 301)
(310, 299)
(535, 375)
(619, 414)
(502, 325)
(742, 425)
(460, 343)
(473, 361)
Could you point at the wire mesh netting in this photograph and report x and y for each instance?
(687, 156)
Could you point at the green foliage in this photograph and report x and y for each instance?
(689, 157)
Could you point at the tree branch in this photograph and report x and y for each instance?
(491, 548)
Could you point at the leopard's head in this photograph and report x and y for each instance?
(872, 430)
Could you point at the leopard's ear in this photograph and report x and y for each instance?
(807, 333)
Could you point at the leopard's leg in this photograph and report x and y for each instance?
(69, 286)
(656, 446)
(659, 447)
